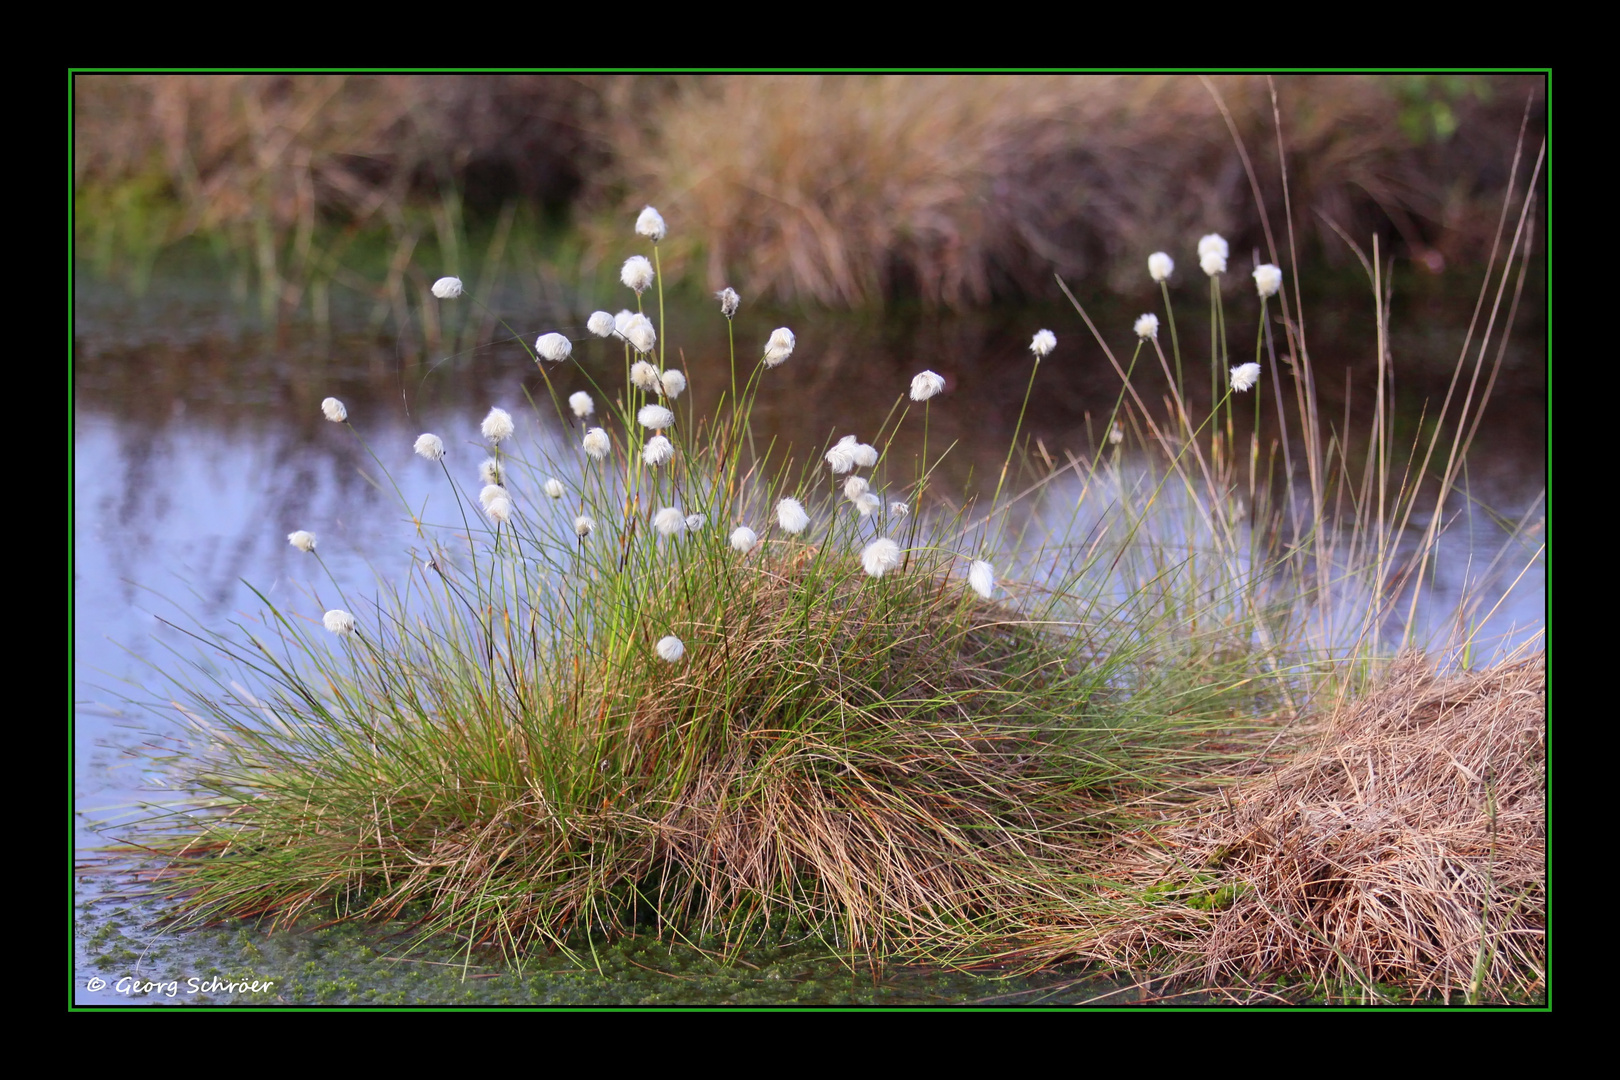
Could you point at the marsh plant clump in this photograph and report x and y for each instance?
(713, 690)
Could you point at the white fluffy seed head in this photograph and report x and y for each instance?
(651, 225)
(490, 493)
(596, 443)
(1160, 266)
(982, 578)
(854, 488)
(865, 455)
(637, 273)
(655, 417)
(1147, 327)
(694, 522)
(302, 540)
(867, 503)
(925, 384)
(553, 347)
(644, 377)
(899, 509)
(498, 425)
(583, 526)
(1212, 263)
(1267, 280)
(621, 321)
(581, 403)
(657, 451)
(1245, 376)
(489, 471)
(600, 323)
(779, 347)
(841, 458)
(743, 539)
(639, 332)
(728, 301)
(1213, 242)
(880, 556)
(554, 488)
(338, 621)
(447, 288)
(670, 649)
(1116, 436)
(791, 516)
(334, 411)
(430, 447)
(673, 382)
(669, 521)
(1043, 343)
(499, 510)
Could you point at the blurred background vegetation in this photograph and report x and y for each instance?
(843, 190)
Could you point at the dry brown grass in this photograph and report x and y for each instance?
(1404, 843)
(847, 190)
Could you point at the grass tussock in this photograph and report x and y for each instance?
(1404, 842)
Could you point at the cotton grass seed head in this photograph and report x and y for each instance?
(1160, 266)
(1244, 376)
(334, 411)
(581, 403)
(899, 509)
(1212, 263)
(655, 417)
(447, 288)
(673, 382)
(651, 225)
(791, 516)
(554, 488)
(865, 455)
(303, 541)
(669, 522)
(621, 321)
(644, 377)
(779, 347)
(743, 539)
(498, 426)
(490, 493)
(338, 621)
(637, 273)
(728, 301)
(499, 510)
(596, 443)
(982, 578)
(553, 347)
(639, 332)
(1267, 280)
(841, 458)
(1116, 436)
(670, 649)
(1213, 242)
(854, 488)
(430, 446)
(1043, 343)
(583, 526)
(925, 384)
(1147, 327)
(600, 323)
(489, 471)
(657, 451)
(867, 503)
(880, 556)
(694, 522)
